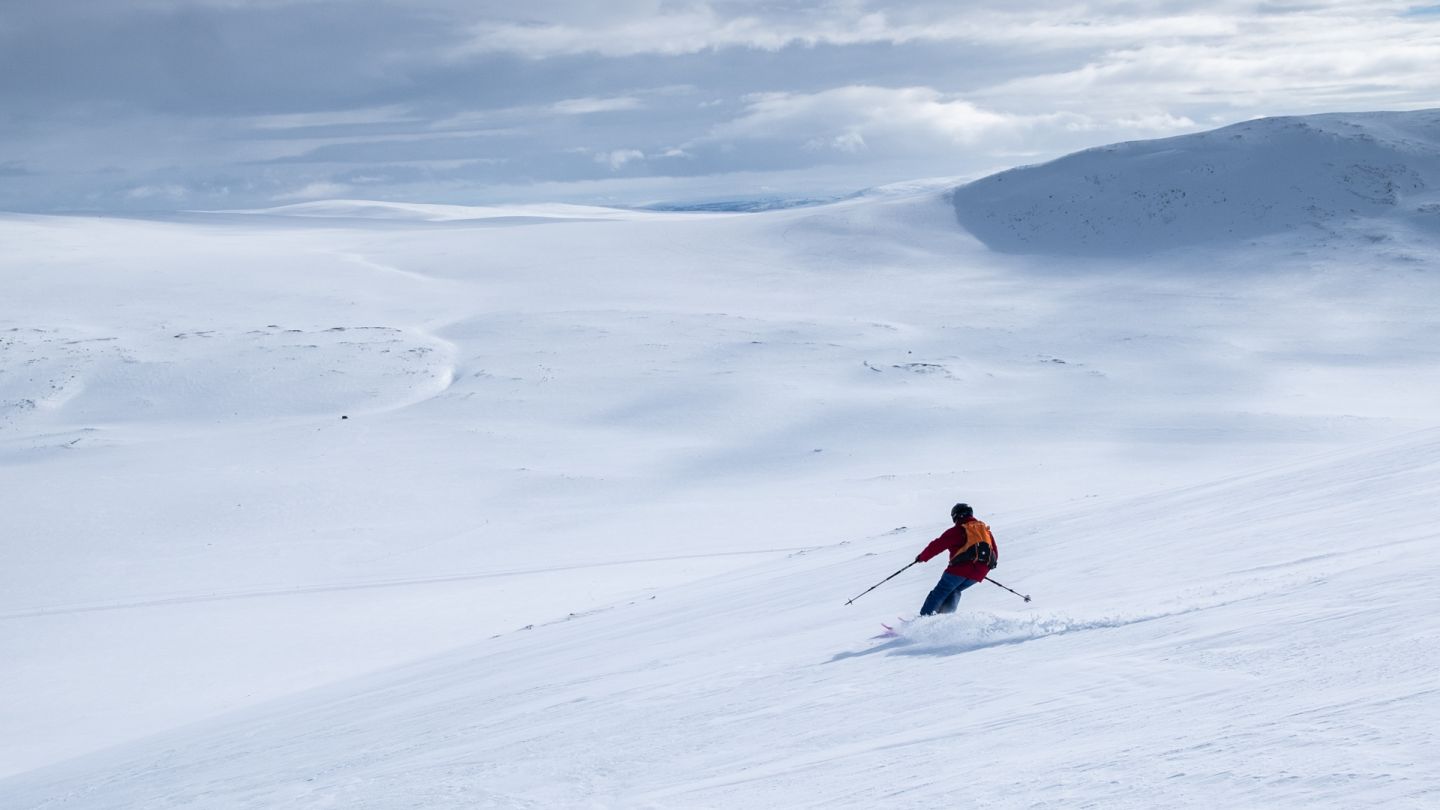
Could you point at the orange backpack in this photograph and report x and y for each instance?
(979, 544)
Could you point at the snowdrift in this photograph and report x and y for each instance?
(1360, 174)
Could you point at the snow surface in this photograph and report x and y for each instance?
(430, 212)
(370, 505)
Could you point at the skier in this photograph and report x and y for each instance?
(972, 556)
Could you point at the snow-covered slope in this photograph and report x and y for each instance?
(1267, 641)
(1361, 174)
(563, 511)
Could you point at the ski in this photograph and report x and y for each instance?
(893, 632)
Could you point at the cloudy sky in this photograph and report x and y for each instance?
(175, 104)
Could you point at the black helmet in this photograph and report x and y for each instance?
(961, 510)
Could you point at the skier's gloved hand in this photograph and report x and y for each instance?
(994, 563)
(919, 559)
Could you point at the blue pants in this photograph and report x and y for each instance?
(946, 596)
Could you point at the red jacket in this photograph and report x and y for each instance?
(952, 541)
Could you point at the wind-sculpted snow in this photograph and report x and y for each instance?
(88, 377)
(1360, 176)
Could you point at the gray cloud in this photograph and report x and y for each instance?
(225, 103)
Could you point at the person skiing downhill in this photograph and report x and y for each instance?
(972, 555)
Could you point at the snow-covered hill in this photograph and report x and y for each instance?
(1363, 175)
(400, 506)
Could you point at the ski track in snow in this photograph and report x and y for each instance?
(980, 629)
(969, 630)
(298, 590)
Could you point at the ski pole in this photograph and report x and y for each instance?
(1017, 593)
(887, 579)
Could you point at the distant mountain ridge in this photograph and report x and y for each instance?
(1322, 174)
